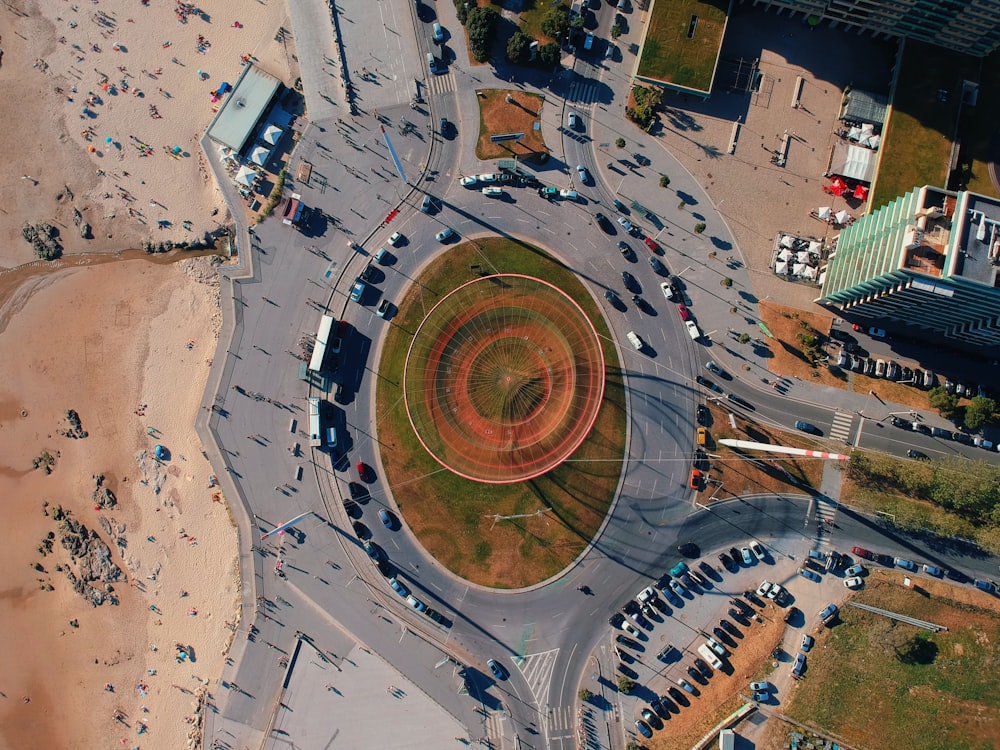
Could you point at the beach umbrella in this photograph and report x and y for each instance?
(273, 134)
(259, 155)
(109, 139)
(175, 150)
(245, 176)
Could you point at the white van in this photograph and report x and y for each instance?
(492, 192)
(634, 340)
(692, 329)
(710, 656)
(438, 33)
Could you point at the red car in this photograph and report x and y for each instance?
(856, 327)
(651, 244)
(862, 552)
(683, 312)
(362, 468)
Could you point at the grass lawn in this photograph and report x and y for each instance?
(917, 142)
(669, 55)
(497, 116)
(453, 517)
(877, 685)
(531, 15)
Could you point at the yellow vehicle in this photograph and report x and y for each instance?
(702, 435)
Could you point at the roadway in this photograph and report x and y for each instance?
(545, 634)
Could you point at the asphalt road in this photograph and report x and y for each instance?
(547, 635)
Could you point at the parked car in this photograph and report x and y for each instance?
(861, 552)
(855, 570)
(497, 669)
(652, 245)
(800, 665)
(626, 251)
(876, 333)
(684, 313)
(899, 562)
(668, 292)
(396, 238)
(584, 174)
(643, 728)
(445, 234)
(603, 223)
(701, 415)
(807, 573)
(728, 563)
(758, 550)
(807, 643)
(747, 557)
(854, 582)
(399, 588)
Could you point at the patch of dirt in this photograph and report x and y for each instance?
(497, 116)
(721, 696)
(739, 476)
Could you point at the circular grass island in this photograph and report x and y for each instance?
(501, 416)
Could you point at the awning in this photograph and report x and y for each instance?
(853, 162)
(273, 134)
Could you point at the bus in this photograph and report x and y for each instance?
(314, 435)
(319, 348)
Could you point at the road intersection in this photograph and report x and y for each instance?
(329, 594)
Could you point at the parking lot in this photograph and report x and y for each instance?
(673, 676)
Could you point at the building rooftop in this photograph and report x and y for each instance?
(243, 108)
(979, 241)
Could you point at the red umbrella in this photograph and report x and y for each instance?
(838, 188)
(861, 193)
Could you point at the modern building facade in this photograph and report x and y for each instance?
(967, 26)
(929, 260)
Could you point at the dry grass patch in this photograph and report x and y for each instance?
(741, 477)
(497, 116)
(786, 323)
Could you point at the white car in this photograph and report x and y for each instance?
(395, 238)
(668, 292)
(646, 595)
(853, 583)
(625, 224)
(776, 592)
(469, 181)
(765, 588)
(584, 174)
(855, 570)
(381, 255)
(629, 628)
(676, 586)
(693, 331)
(757, 550)
(569, 195)
(757, 686)
(445, 234)
(487, 178)
(747, 557)
(572, 120)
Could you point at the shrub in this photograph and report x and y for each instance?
(699, 227)
(727, 282)
(620, 142)
(744, 338)
(584, 694)
(625, 685)
(664, 180)
(616, 31)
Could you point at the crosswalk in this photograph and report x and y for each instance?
(582, 92)
(841, 428)
(441, 84)
(537, 671)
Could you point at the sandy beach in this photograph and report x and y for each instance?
(100, 84)
(127, 345)
(104, 92)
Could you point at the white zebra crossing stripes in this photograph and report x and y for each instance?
(441, 84)
(841, 428)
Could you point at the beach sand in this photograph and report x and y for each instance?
(50, 151)
(125, 343)
(104, 341)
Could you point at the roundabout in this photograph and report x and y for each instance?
(504, 379)
(501, 413)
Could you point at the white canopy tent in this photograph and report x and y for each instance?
(781, 267)
(824, 213)
(246, 176)
(842, 217)
(273, 134)
(787, 241)
(798, 269)
(260, 155)
(802, 256)
(815, 247)
(784, 254)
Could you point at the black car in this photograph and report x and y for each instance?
(727, 563)
(961, 437)
(627, 252)
(656, 265)
(630, 282)
(737, 614)
(361, 531)
(702, 415)
(703, 381)
(641, 160)
(358, 491)
(695, 674)
(735, 554)
(614, 299)
(703, 667)
(677, 695)
(604, 223)
(917, 454)
(660, 706)
(689, 549)
(720, 634)
(791, 614)
(741, 402)
(900, 422)
(631, 607)
(729, 627)
(626, 641)
(752, 597)
(368, 272)
(352, 508)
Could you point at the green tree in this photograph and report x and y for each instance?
(549, 55)
(700, 227)
(616, 31)
(556, 22)
(625, 685)
(979, 412)
(576, 24)
(744, 338)
(620, 142)
(480, 25)
(517, 47)
(946, 403)
(584, 695)
(664, 180)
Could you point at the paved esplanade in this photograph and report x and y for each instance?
(329, 591)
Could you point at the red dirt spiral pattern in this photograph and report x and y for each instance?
(503, 379)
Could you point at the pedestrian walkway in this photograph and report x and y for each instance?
(841, 427)
(441, 84)
(583, 92)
